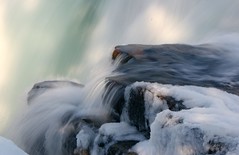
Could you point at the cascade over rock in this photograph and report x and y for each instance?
(160, 99)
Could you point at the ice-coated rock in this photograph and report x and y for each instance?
(206, 65)
(169, 99)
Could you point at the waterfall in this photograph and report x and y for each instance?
(74, 40)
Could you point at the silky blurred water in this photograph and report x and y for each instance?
(65, 39)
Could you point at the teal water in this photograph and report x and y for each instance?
(65, 39)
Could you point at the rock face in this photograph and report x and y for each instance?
(136, 99)
(202, 65)
(167, 99)
(178, 119)
(116, 138)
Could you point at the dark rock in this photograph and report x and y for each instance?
(116, 138)
(177, 64)
(121, 147)
(217, 146)
(173, 104)
(132, 153)
(81, 152)
(136, 109)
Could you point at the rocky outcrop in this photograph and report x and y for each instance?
(178, 64)
(164, 99)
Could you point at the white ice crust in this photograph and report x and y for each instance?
(211, 112)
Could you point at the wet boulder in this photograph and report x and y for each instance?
(116, 138)
(178, 64)
(144, 103)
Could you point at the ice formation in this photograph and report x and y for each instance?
(170, 99)
(206, 124)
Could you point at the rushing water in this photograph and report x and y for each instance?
(156, 99)
(65, 39)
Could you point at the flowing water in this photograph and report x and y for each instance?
(42, 40)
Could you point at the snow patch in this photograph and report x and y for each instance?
(7, 147)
